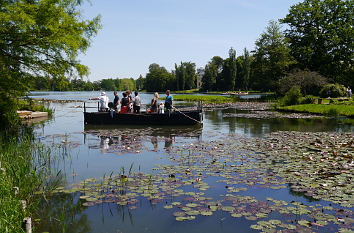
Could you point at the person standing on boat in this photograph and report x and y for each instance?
(116, 101)
(130, 98)
(124, 103)
(168, 101)
(103, 102)
(154, 105)
(136, 103)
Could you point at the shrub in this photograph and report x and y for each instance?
(292, 97)
(310, 82)
(309, 99)
(333, 90)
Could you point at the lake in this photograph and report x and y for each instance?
(237, 172)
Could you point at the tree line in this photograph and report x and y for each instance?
(78, 84)
(318, 41)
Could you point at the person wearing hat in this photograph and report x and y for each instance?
(103, 101)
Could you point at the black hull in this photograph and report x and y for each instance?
(174, 118)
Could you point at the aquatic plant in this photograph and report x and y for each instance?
(315, 165)
(23, 172)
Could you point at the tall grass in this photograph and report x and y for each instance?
(20, 177)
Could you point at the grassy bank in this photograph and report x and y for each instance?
(33, 105)
(20, 177)
(330, 109)
(203, 98)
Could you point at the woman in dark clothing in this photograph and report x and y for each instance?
(124, 103)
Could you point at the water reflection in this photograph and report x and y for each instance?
(260, 126)
(137, 139)
(63, 213)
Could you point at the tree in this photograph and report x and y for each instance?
(213, 74)
(185, 76)
(108, 85)
(180, 74)
(39, 38)
(126, 84)
(321, 37)
(230, 71)
(217, 64)
(158, 78)
(246, 70)
(140, 83)
(207, 79)
(310, 82)
(272, 58)
(190, 75)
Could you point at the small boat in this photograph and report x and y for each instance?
(235, 93)
(176, 117)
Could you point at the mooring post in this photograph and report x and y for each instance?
(84, 106)
(28, 224)
(98, 106)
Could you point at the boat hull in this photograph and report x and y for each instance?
(174, 118)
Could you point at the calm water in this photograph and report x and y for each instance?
(84, 152)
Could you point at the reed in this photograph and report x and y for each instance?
(22, 174)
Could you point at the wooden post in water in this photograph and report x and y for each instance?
(28, 224)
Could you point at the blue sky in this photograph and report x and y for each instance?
(137, 33)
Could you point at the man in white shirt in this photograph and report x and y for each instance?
(103, 102)
(136, 103)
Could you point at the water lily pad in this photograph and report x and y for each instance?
(191, 205)
(206, 213)
(236, 215)
(192, 212)
(305, 223)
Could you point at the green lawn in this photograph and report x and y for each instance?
(203, 98)
(325, 109)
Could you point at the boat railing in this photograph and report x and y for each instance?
(98, 106)
(199, 107)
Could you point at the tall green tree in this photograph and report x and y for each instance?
(180, 74)
(140, 83)
(126, 84)
(185, 76)
(272, 58)
(213, 74)
(217, 64)
(190, 75)
(321, 36)
(239, 73)
(208, 80)
(108, 84)
(246, 69)
(158, 78)
(230, 71)
(39, 38)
